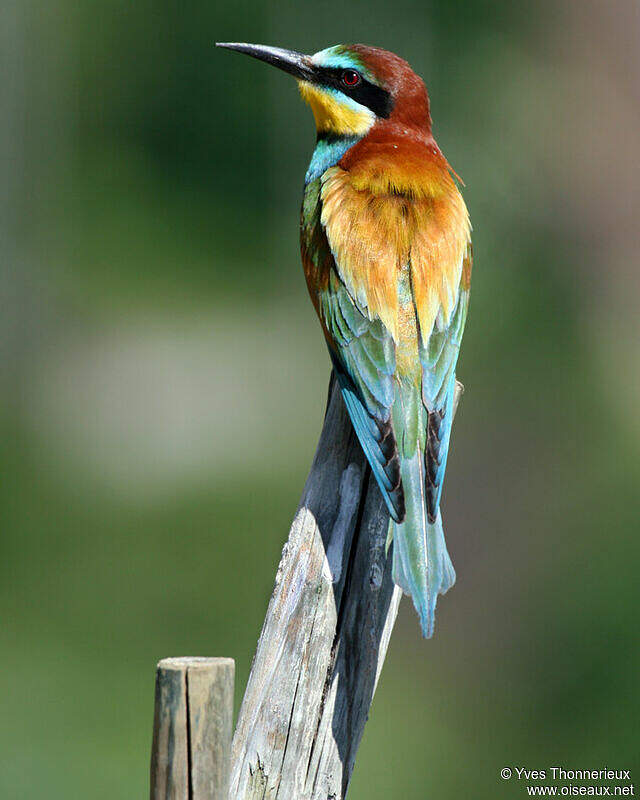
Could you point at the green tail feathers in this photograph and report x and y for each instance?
(421, 564)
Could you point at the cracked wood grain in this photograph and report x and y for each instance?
(192, 729)
(326, 633)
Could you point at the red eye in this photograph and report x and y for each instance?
(350, 77)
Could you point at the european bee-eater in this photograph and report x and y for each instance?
(386, 249)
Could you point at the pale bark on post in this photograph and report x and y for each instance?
(325, 636)
(192, 729)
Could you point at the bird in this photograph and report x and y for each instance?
(385, 240)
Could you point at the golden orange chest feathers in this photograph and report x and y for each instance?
(394, 218)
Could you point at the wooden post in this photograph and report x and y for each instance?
(325, 636)
(192, 729)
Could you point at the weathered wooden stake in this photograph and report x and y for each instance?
(325, 636)
(192, 729)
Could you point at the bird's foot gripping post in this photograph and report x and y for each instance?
(319, 656)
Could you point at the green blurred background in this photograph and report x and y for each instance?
(163, 380)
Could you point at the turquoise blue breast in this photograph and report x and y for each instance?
(327, 154)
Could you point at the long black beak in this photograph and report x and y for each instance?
(290, 61)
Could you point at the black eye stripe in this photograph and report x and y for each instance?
(364, 92)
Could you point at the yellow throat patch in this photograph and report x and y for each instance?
(332, 115)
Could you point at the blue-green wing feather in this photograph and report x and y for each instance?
(362, 352)
(363, 356)
(439, 356)
(403, 428)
